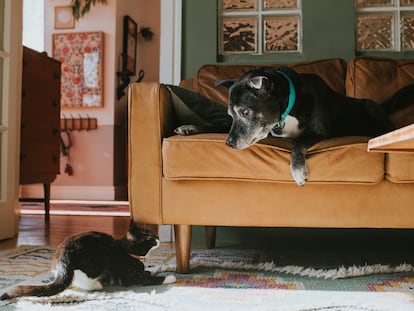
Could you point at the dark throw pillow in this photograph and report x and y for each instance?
(193, 108)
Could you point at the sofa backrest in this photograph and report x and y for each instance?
(378, 79)
(333, 71)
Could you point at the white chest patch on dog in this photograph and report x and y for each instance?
(290, 129)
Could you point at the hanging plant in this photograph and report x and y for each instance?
(81, 7)
(146, 33)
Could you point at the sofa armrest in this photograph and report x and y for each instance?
(151, 118)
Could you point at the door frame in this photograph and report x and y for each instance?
(170, 41)
(10, 105)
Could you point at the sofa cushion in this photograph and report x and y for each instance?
(206, 156)
(333, 71)
(399, 167)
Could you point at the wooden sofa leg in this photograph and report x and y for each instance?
(210, 232)
(183, 247)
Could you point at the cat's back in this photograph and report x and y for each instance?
(86, 247)
(88, 240)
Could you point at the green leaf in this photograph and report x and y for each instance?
(79, 11)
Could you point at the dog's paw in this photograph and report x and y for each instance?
(299, 174)
(189, 129)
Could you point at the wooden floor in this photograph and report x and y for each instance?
(34, 231)
(293, 247)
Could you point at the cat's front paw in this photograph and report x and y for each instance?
(169, 279)
(188, 129)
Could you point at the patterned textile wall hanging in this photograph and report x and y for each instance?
(81, 55)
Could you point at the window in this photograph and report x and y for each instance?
(384, 25)
(33, 24)
(259, 26)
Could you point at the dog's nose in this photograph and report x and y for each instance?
(230, 142)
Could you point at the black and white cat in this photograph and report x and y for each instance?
(89, 260)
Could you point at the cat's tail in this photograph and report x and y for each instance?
(62, 281)
(159, 280)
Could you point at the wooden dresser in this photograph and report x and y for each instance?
(40, 122)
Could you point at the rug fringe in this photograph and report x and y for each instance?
(334, 273)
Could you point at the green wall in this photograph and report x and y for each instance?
(328, 32)
(199, 36)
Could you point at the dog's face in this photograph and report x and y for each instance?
(254, 105)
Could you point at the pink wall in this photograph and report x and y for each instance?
(92, 154)
(149, 51)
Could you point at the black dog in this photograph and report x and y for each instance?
(284, 103)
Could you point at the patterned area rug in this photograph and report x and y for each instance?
(223, 279)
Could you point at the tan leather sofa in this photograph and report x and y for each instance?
(198, 180)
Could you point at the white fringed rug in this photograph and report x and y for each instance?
(192, 298)
(223, 279)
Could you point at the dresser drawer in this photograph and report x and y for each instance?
(40, 158)
(41, 133)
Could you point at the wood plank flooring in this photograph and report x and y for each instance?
(34, 231)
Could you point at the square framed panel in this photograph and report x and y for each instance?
(374, 3)
(375, 32)
(64, 18)
(239, 35)
(230, 5)
(280, 4)
(281, 34)
(406, 2)
(407, 31)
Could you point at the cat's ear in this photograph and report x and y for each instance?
(130, 237)
(132, 225)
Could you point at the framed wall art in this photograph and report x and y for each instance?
(64, 18)
(129, 45)
(81, 55)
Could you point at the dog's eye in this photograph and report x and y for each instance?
(244, 113)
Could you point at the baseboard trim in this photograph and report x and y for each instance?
(166, 233)
(103, 193)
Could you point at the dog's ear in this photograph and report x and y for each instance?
(258, 82)
(225, 83)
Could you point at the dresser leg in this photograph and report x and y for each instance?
(46, 189)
